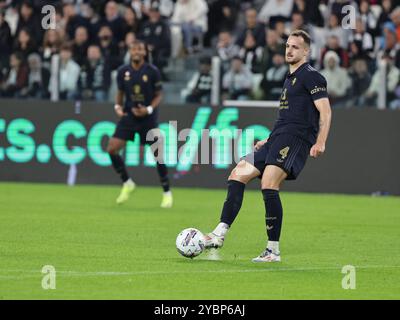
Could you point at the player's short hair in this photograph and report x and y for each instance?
(138, 42)
(301, 33)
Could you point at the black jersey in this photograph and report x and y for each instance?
(297, 113)
(140, 87)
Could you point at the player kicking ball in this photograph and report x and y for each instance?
(301, 129)
(140, 84)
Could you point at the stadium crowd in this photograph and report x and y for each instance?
(91, 40)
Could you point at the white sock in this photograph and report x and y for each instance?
(221, 229)
(129, 182)
(168, 193)
(273, 246)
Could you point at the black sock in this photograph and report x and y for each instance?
(273, 213)
(119, 166)
(233, 201)
(163, 173)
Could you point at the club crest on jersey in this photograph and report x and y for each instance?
(127, 76)
(145, 78)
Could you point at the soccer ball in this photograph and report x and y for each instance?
(190, 243)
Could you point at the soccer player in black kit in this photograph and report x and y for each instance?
(140, 84)
(301, 130)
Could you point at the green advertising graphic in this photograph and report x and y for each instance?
(72, 142)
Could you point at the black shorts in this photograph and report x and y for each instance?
(284, 150)
(127, 127)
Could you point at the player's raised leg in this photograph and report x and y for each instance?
(271, 181)
(114, 147)
(242, 174)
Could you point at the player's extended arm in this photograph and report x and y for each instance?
(119, 100)
(325, 116)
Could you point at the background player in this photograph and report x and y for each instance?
(301, 129)
(140, 84)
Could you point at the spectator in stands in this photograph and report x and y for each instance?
(280, 28)
(191, 16)
(337, 78)
(28, 21)
(80, 45)
(310, 11)
(222, 15)
(25, 44)
(16, 78)
(361, 42)
(389, 43)
(360, 81)
(109, 47)
(392, 81)
(125, 56)
(298, 22)
(5, 42)
(274, 45)
(51, 45)
(95, 76)
(114, 20)
(274, 78)
(252, 26)
(251, 54)
(387, 7)
(131, 21)
(166, 7)
(335, 7)
(68, 74)
(226, 50)
(156, 33)
(71, 20)
(333, 44)
(237, 82)
(368, 18)
(395, 17)
(395, 103)
(199, 87)
(91, 17)
(38, 79)
(335, 29)
(275, 8)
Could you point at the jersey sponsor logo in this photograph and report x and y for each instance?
(136, 89)
(317, 89)
(284, 103)
(284, 94)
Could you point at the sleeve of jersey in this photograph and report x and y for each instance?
(120, 79)
(317, 86)
(157, 80)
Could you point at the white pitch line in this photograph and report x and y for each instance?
(34, 274)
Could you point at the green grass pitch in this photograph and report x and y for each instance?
(101, 251)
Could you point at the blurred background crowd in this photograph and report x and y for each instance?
(78, 57)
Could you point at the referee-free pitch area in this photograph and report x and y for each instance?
(101, 251)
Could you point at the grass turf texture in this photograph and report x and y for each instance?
(101, 251)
